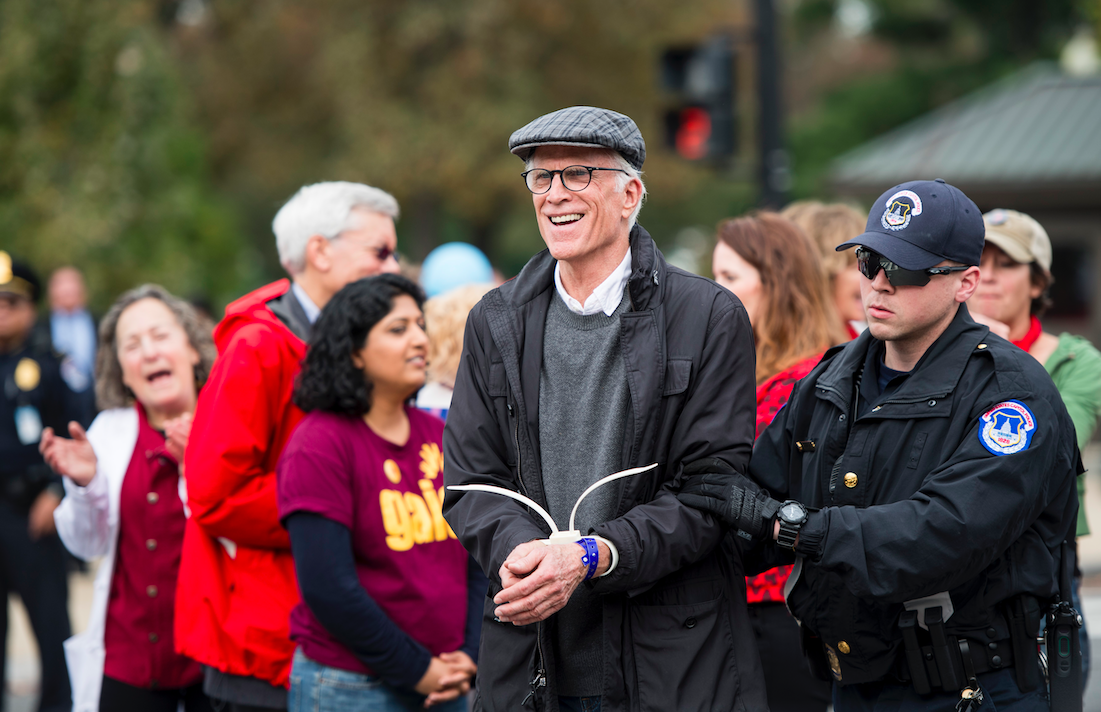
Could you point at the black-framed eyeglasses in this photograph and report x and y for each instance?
(870, 262)
(575, 178)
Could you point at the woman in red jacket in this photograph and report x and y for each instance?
(772, 267)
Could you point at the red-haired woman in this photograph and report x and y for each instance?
(773, 268)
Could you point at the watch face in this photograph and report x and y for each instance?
(792, 512)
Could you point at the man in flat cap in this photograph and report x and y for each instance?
(599, 357)
(32, 559)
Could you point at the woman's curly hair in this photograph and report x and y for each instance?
(329, 380)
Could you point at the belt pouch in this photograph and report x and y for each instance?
(914, 659)
(941, 653)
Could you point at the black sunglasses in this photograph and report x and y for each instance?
(870, 262)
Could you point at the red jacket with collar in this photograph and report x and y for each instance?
(237, 584)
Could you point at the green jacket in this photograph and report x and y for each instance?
(1075, 366)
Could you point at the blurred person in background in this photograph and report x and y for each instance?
(828, 225)
(32, 558)
(232, 616)
(445, 316)
(453, 265)
(773, 268)
(392, 603)
(1014, 292)
(122, 503)
(73, 332)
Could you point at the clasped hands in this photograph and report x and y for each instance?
(448, 677)
(537, 580)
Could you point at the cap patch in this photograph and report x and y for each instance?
(997, 217)
(900, 208)
(1007, 428)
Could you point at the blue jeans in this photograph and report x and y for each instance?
(578, 704)
(1000, 688)
(318, 688)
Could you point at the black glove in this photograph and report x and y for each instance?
(719, 494)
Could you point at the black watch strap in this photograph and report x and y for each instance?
(789, 533)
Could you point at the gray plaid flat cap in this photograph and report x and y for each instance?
(582, 126)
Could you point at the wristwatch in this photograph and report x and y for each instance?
(792, 516)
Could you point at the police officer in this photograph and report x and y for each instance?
(929, 471)
(32, 558)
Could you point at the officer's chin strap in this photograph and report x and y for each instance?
(971, 696)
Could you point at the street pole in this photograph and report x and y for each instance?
(774, 170)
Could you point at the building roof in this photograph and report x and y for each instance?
(1033, 138)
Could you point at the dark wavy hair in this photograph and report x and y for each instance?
(329, 379)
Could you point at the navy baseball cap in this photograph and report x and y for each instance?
(18, 278)
(585, 126)
(919, 224)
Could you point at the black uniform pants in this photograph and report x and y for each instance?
(36, 571)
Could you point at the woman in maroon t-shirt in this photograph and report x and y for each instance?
(391, 603)
(772, 266)
(122, 503)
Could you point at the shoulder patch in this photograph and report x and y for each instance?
(1007, 428)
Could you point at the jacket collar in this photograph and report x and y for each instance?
(647, 274)
(936, 374)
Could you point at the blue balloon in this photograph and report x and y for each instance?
(454, 264)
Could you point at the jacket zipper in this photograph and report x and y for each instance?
(540, 680)
(516, 444)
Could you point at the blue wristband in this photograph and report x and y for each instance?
(591, 557)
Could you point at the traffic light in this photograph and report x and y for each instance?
(700, 124)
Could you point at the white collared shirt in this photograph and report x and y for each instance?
(311, 309)
(606, 297)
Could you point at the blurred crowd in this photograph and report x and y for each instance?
(265, 497)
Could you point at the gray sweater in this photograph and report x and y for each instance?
(583, 401)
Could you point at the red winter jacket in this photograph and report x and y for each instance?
(237, 585)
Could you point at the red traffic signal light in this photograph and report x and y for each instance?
(699, 121)
(692, 133)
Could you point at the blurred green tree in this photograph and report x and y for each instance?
(101, 165)
(419, 97)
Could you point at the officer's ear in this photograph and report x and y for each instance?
(968, 283)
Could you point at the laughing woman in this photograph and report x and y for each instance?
(122, 503)
(391, 603)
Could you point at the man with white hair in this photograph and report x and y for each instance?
(598, 357)
(237, 584)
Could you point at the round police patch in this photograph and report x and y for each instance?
(900, 208)
(1007, 428)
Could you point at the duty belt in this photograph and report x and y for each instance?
(935, 661)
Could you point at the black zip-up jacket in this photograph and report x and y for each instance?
(676, 633)
(913, 503)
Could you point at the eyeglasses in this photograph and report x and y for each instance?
(870, 262)
(575, 178)
(385, 253)
(381, 253)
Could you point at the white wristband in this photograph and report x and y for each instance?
(615, 554)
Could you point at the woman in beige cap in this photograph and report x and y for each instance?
(1016, 278)
(1013, 293)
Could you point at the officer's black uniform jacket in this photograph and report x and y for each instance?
(676, 631)
(930, 508)
(23, 474)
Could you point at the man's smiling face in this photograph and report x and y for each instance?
(580, 225)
